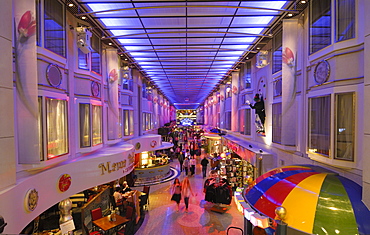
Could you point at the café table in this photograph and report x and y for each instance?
(106, 224)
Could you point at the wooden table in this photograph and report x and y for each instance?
(105, 224)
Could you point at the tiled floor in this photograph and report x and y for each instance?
(162, 217)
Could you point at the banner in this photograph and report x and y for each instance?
(112, 80)
(26, 81)
(289, 82)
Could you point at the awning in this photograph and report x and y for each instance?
(316, 200)
(164, 145)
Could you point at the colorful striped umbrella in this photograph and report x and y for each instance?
(317, 201)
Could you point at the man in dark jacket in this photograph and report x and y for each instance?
(204, 164)
(180, 157)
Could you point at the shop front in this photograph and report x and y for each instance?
(151, 159)
(212, 143)
(241, 163)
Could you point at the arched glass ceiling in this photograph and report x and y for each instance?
(185, 47)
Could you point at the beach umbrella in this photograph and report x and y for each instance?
(317, 200)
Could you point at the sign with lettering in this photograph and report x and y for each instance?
(109, 167)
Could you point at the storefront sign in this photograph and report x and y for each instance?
(108, 167)
(64, 182)
(153, 143)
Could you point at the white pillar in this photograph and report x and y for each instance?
(234, 100)
(365, 6)
(222, 106)
(7, 140)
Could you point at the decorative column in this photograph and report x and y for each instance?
(205, 109)
(136, 102)
(66, 219)
(155, 109)
(234, 100)
(214, 109)
(210, 104)
(366, 106)
(7, 134)
(289, 111)
(222, 106)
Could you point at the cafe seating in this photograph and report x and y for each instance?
(129, 227)
(91, 232)
(96, 214)
(144, 199)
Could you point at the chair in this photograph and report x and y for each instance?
(144, 202)
(146, 190)
(129, 227)
(96, 214)
(129, 212)
(92, 232)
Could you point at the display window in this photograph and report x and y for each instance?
(149, 159)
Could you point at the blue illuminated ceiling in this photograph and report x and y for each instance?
(185, 47)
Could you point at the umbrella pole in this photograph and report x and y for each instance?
(281, 228)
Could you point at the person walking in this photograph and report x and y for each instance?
(176, 192)
(193, 162)
(180, 157)
(186, 165)
(186, 190)
(204, 164)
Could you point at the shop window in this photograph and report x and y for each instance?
(228, 120)
(277, 50)
(120, 123)
(241, 121)
(82, 60)
(248, 74)
(319, 125)
(97, 125)
(56, 127)
(95, 54)
(345, 19)
(228, 91)
(131, 116)
(127, 83)
(128, 122)
(144, 91)
(247, 122)
(276, 122)
(85, 136)
(144, 121)
(39, 123)
(320, 24)
(147, 121)
(90, 125)
(344, 131)
(54, 27)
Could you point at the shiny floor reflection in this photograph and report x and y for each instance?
(162, 217)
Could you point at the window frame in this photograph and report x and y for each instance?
(336, 20)
(312, 50)
(41, 25)
(47, 122)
